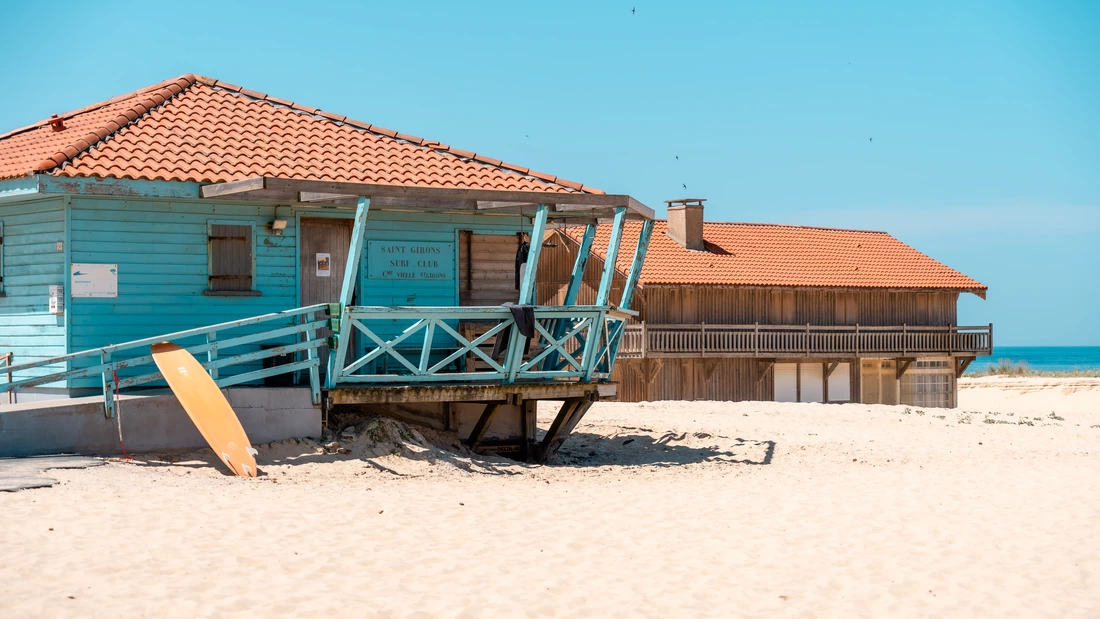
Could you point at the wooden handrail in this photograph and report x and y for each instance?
(756, 340)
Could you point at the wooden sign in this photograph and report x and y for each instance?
(94, 280)
(410, 260)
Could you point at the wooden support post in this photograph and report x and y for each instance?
(612, 256)
(636, 265)
(355, 252)
(108, 387)
(566, 420)
(576, 280)
(8, 359)
(961, 363)
(763, 367)
(567, 408)
(347, 291)
(830, 368)
(571, 424)
(527, 292)
(212, 354)
(901, 365)
(483, 424)
(595, 332)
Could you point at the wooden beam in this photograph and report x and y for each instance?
(314, 196)
(830, 368)
(293, 188)
(574, 419)
(636, 265)
(538, 230)
(902, 365)
(490, 204)
(397, 394)
(233, 188)
(762, 368)
(961, 363)
(482, 425)
(567, 408)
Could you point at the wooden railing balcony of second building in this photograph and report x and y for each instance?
(802, 341)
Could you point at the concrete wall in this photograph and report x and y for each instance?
(149, 423)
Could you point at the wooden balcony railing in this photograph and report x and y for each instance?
(756, 340)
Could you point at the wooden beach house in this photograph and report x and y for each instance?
(745, 311)
(291, 246)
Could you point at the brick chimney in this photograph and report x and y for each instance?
(685, 222)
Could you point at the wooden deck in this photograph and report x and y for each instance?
(803, 341)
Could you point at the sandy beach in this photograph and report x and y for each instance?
(662, 509)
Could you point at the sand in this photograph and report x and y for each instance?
(663, 509)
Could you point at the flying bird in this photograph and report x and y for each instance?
(685, 186)
(632, 9)
(677, 157)
(871, 139)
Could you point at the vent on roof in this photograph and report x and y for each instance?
(685, 222)
(57, 122)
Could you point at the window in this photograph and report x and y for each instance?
(929, 382)
(1, 258)
(232, 261)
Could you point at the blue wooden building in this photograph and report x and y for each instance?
(284, 244)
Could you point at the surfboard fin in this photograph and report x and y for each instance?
(225, 456)
(252, 452)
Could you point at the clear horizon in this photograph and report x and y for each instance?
(968, 131)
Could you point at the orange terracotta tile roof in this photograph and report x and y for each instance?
(749, 254)
(195, 128)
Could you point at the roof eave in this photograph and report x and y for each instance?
(566, 204)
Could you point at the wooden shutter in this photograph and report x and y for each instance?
(230, 258)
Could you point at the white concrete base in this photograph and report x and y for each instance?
(149, 423)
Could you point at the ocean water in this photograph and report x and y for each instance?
(1054, 358)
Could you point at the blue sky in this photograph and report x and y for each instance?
(984, 116)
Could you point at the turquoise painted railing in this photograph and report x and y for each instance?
(426, 344)
(281, 331)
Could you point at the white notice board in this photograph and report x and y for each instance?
(94, 280)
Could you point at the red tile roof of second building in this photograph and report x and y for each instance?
(749, 254)
(198, 129)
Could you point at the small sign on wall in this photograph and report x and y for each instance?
(410, 260)
(324, 265)
(57, 299)
(94, 280)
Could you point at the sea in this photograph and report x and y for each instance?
(1050, 358)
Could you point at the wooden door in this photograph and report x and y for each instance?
(324, 245)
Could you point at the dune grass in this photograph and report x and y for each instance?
(1008, 367)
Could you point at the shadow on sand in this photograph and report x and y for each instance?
(668, 450)
(416, 453)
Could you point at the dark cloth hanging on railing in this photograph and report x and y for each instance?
(524, 315)
(521, 260)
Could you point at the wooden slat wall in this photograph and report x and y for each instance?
(488, 262)
(556, 266)
(732, 305)
(691, 379)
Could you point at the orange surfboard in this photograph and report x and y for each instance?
(207, 407)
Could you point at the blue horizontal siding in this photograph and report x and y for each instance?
(32, 229)
(160, 247)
